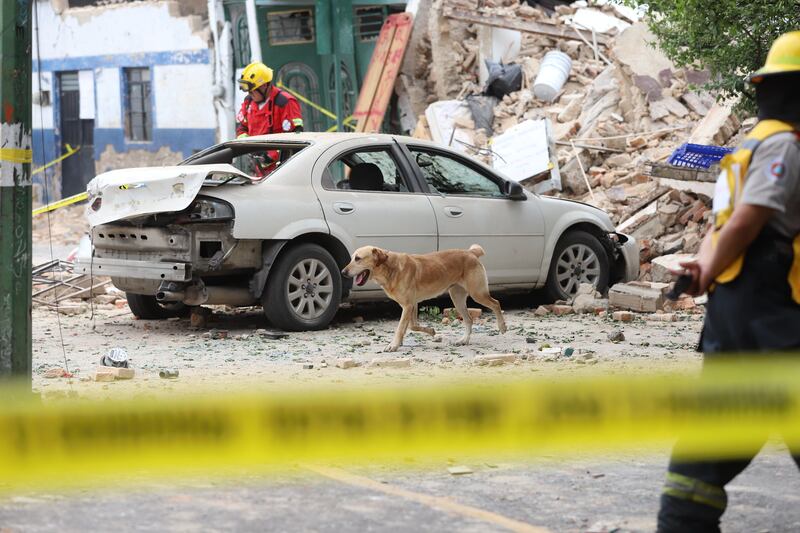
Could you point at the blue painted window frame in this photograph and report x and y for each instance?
(126, 105)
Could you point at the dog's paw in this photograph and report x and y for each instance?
(463, 341)
(430, 331)
(502, 328)
(390, 348)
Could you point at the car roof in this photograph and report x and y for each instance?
(329, 138)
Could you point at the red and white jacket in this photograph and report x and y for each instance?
(279, 114)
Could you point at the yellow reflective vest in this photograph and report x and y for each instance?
(730, 186)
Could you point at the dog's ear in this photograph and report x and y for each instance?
(379, 256)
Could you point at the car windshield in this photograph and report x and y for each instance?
(257, 160)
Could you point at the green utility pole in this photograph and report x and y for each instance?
(15, 190)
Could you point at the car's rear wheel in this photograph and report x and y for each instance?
(578, 258)
(304, 289)
(147, 307)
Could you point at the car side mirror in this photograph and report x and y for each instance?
(514, 191)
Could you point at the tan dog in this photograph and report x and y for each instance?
(409, 279)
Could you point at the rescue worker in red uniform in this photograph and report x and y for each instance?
(750, 265)
(266, 109)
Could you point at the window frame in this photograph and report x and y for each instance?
(498, 180)
(147, 103)
(312, 26)
(399, 159)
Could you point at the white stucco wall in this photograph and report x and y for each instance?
(116, 29)
(109, 104)
(43, 120)
(183, 96)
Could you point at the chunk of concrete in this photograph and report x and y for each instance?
(117, 372)
(495, 359)
(636, 48)
(638, 296)
(380, 362)
(661, 268)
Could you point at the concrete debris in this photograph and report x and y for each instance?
(379, 362)
(663, 266)
(116, 372)
(346, 362)
(625, 107)
(495, 359)
(622, 316)
(616, 336)
(638, 296)
(58, 372)
(459, 470)
(199, 317)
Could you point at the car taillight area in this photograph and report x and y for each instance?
(205, 209)
(207, 249)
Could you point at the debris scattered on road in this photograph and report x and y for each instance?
(200, 317)
(616, 336)
(271, 334)
(496, 359)
(459, 470)
(346, 362)
(380, 362)
(115, 372)
(622, 316)
(57, 372)
(168, 373)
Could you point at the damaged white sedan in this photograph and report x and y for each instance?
(272, 220)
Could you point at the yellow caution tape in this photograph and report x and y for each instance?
(61, 203)
(16, 155)
(70, 151)
(729, 412)
(316, 106)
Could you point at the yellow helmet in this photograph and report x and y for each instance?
(783, 57)
(254, 76)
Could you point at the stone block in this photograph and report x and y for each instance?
(380, 362)
(117, 372)
(495, 359)
(346, 362)
(662, 266)
(559, 310)
(622, 316)
(638, 296)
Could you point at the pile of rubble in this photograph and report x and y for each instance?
(64, 226)
(622, 112)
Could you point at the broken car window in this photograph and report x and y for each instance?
(373, 170)
(449, 176)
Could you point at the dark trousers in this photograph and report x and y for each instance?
(754, 313)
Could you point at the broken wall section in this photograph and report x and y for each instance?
(144, 96)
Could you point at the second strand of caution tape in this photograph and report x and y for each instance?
(731, 411)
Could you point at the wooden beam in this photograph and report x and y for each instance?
(527, 26)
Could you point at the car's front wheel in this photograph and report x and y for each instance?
(303, 290)
(578, 258)
(146, 307)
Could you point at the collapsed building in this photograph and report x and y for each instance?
(622, 111)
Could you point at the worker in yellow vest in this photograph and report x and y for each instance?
(750, 265)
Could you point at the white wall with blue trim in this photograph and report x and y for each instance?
(100, 43)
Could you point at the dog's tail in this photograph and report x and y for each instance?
(477, 250)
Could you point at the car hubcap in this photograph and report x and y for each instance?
(310, 288)
(577, 264)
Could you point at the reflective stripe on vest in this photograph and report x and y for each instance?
(694, 490)
(729, 189)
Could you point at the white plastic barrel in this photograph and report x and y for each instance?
(553, 73)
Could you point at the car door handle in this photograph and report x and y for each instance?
(453, 211)
(344, 208)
